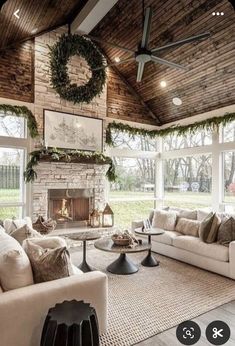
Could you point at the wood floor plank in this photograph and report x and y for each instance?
(224, 313)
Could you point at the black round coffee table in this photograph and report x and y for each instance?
(149, 260)
(123, 265)
(84, 237)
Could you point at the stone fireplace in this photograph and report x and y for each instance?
(68, 192)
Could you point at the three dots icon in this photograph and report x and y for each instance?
(217, 13)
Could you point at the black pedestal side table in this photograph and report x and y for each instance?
(84, 237)
(71, 323)
(149, 260)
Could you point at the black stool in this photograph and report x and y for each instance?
(71, 323)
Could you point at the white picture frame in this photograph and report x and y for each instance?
(70, 131)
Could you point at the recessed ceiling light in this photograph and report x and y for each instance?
(34, 31)
(217, 13)
(16, 13)
(177, 101)
(222, 13)
(163, 83)
(117, 59)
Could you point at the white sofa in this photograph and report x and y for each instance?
(213, 257)
(23, 310)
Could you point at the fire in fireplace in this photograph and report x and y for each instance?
(70, 207)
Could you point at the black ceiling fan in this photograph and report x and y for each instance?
(144, 54)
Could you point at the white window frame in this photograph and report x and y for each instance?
(216, 149)
(26, 145)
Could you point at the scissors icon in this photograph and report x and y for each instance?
(217, 333)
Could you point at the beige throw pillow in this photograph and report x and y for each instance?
(48, 264)
(11, 225)
(15, 267)
(25, 232)
(188, 227)
(164, 219)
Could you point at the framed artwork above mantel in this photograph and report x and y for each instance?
(70, 131)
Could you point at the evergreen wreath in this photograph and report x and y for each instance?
(60, 53)
(74, 156)
(180, 130)
(22, 111)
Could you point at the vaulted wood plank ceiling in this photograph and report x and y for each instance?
(210, 82)
(34, 17)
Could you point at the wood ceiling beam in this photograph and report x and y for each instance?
(132, 90)
(90, 15)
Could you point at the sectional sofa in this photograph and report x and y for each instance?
(214, 257)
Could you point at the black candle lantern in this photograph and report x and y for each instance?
(107, 217)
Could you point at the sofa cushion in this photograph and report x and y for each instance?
(24, 232)
(2, 230)
(205, 227)
(50, 242)
(226, 232)
(187, 226)
(164, 219)
(11, 225)
(212, 236)
(166, 238)
(202, 214)
(15, 267)
(195, 245)
(185, 213)
(48, 264)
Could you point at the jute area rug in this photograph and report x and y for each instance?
(155, 299)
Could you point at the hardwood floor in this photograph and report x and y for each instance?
(224, 313)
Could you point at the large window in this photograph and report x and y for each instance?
(187, 181)
(175, 142)
(229, 176)
(228, 133)
(141, 143)
(13, 147)
(132, 195)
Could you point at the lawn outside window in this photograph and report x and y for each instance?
(13, 150)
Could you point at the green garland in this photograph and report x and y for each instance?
(74, 156)
(180, 130)
(60, 53)
(22, 111)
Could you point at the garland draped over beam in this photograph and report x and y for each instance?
(180, 130)
(73, 156)
(22, 111)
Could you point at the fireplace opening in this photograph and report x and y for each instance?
(70, 207)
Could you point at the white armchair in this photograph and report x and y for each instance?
(23, 310)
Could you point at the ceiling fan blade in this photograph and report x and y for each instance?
(114, 64)
(99, 40)
(182, 42)
(147, 26)
(168, 63)
(140, 71)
